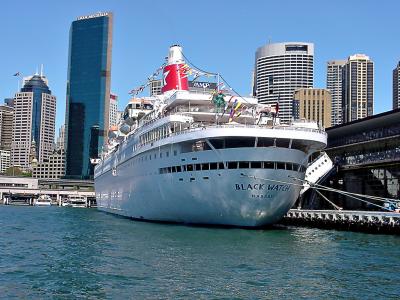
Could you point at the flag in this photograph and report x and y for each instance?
(16, 74)
(238, 105)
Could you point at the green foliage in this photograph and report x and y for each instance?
(16, 171)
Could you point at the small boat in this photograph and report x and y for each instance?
(43, 200)
(75, 201)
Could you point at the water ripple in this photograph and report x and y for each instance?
(80, 253)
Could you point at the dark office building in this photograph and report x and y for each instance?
(88, 92)
(396, 87)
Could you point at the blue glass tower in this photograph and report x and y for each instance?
(88, 92)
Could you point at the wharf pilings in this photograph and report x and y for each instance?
(364, 221)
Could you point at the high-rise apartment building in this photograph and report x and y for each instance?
(396, 87)
(113, 109)
(5, 160)
(6, 123)
(280, 69)
(358, 88)
(33, 122)
(334, 85)
(313, 105)
(88, 92)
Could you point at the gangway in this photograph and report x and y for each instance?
(317, 170)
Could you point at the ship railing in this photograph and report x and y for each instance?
(201, 126)
(204, 109)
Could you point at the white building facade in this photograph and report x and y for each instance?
(113, 110)
(280, 69)
(5, 160)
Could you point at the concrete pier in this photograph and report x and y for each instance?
(366, 221)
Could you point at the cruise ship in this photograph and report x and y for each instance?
(197, 157)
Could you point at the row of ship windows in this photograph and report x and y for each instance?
(234, 165)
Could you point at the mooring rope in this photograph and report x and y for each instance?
(325, 188)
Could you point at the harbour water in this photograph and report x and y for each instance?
(53, 252)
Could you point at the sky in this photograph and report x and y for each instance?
(218, 36)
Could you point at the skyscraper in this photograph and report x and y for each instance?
(60, 144)
(88, 92)
(358, 88)
(33, 122)
(6, 123)
(280, 69)
(113, 109)
(396, 87)
(334, 84)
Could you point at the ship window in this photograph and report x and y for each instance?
(289, 166)
(283, 143)
(180, 179)
(173, 169)
(192, 179)
(178, 169)
(160, 154)
(256, 164)
(243, 164)
(167, 154)
(198, 167)
(205, 167)
(175, 152)
(265, 142)
(213, 166)
(169, 169)
(269, 165)
(232, 165)
(205, 177)
(184, 168)
(221, 166)
(280, 165)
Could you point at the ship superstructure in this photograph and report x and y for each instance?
(203, 158)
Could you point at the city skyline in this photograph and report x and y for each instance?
(136, 53)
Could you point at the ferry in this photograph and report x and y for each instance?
(200, 157)
(75, 201)
(42, 200)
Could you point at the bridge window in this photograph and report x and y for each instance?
(232, 165)
(244, 165)
(256, 164)
(213, 166)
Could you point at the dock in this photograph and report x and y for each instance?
(23, 191)
(365, 221)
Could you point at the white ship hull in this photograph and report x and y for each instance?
(218, 197)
